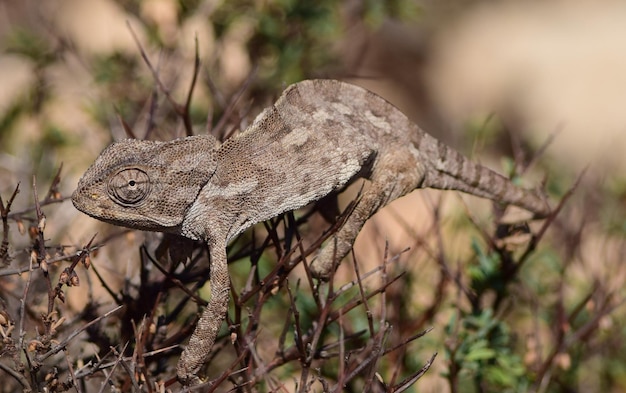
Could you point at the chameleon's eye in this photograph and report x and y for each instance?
(129, 187)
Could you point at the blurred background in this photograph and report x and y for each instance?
(538, 85)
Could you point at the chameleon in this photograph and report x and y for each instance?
(318, 137)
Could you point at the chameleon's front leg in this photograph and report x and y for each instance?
(203, 337)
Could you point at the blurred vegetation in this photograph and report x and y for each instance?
(508, 314)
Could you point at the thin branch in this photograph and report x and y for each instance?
(4, 214)
(18, 376)
(61, 346)
(219, 129)
(51, 261)
(22, 333)
(408, 340)
(548, 222)
(408, 382)
(46, 202)
(547, 143)
(120, 360)
(127, 128)
(181, 111)
(196, 71)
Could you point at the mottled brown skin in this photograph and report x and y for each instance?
(318, 137)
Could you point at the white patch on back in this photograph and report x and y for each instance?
(297, 137)
(231, 190)
(347, 170)
(341, 108)
(322, 116)
(378, 122)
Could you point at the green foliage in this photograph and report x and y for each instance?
(486, 271)
(291, 39)
(31, 45)
(481, 348)
(375, 12)
(295, 40)
(614, 208)
(483, 129)
(11, 115)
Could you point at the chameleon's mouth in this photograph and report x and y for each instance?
(89, 204)
(76, 201)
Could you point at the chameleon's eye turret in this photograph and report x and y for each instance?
(129, 187)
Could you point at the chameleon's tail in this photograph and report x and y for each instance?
(453, 171)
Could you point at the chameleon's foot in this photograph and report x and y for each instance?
(327, 260)
(319, 272)
(185, 376)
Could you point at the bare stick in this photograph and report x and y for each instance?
(181, 111)
(219, 130)
(75, 333)
(4, 214)
(18, 376)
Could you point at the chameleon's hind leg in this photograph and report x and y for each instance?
(394, 174)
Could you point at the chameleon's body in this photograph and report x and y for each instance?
(319, 136)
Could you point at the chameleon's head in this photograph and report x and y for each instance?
(146, 185)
